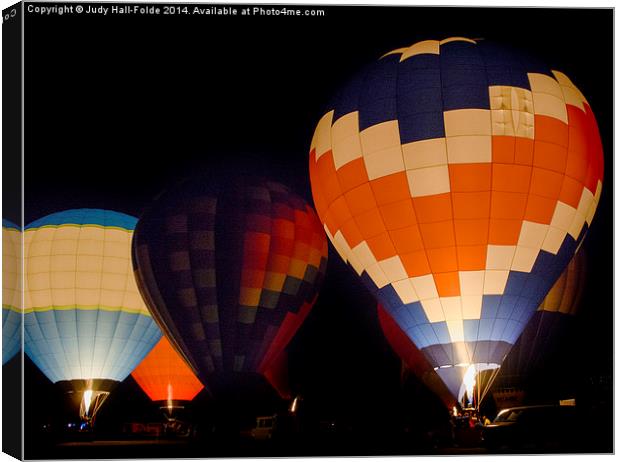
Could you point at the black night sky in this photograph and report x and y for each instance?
(119, 107)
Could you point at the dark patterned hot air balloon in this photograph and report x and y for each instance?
(11, 290)
(230, 267)
(457, 177)
(85, 324)
(165, 377)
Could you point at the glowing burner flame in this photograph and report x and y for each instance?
(88, 396)
(469, 380)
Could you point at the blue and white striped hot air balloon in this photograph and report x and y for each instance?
(11, 290)
(86, 326)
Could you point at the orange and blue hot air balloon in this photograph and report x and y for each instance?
(11, 290)
(86, 326)
(457, 177)
(230, 267)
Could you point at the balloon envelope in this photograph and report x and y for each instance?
(549, 328)
(164, 375)
(11, 290)
(412, 357)
(85, 322)
(457, 178)
(230, 268)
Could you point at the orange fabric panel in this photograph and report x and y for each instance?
(469, 177)
(415, 263)
(508, 205)
(546, 183)
(551, 130)
(512, 178)
(540, 209)
(442, 260)
(504, 232)
(360, 199)
(341, 210)
(524, 151)
(471, 257)
(429, 209)
(550, 156)
(352, 174)
(571, 192)
(370, 223)
(398, 214)
(439, 234)
(407, 240)
(471, 232)
(471, 205)
(503, 149)
(163, 375)
(381, 246)
(351, 233)
(391, 188)
(448, 284)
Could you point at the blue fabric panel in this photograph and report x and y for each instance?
(389, 297)
(515, 283)
(463, 76)
(417, 100)
(9, 224)
(61, 342)
(470, 329)
(498, 329)
(430, 334)
(504, 65)
(485, 328)
(441, 330)
(347, 100)
(377, 101)
(423, 126)
(86, 217)
(11, 334)
(416, 335)
(506, 306)
(490, 306)
(417, 313)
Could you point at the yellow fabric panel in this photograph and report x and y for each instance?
(425, 153)
(382, 163)
(424, 47)
(532, 234)
(428, 181)
(322, 140)
(452, 308)
(11, 268)
(499, 257)
(524, 259)
(469, 149)
(433, 310)
(472, 306)
(495, 281)
(471, 282)
(455, 329)
(467, 122)
(380, 137)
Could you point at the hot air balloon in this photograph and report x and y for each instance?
(11, 290)
(549, 326)
(457, 178)
(86, 326)
(413, 359)
(230, 267)
(165, 378)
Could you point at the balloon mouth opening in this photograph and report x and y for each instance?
(468, 382)
(90, 403)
